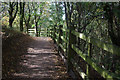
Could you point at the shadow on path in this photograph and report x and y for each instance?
(41, 62)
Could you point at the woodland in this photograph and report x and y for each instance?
(97, 20)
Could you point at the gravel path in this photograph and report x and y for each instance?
(41, 62)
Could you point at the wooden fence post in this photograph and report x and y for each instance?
(47, 32)
(51, 31)
(88, 67)
(54, 31)
(59, 38)
(66, 44)
(72, 40)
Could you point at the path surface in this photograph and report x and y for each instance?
(41, 62)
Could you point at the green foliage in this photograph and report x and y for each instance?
(5, 21)
(33, 25)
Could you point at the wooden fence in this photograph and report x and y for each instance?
(41, 32)
(65, 39)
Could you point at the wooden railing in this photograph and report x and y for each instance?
(32, 32)
(41, 32)
(65, 39)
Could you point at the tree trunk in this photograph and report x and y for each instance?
(36, 29)
(114, 38)
(10, 22)
(11, 17)
(21, 20)
(66, 14)
(21, 15)
(27, 20)
(27, 26)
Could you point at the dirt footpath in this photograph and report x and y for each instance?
(41, 62)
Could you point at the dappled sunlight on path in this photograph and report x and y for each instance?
(41, 61)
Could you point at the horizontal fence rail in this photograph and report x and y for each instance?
(103, 72)
(108, 47)
(64, 39)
